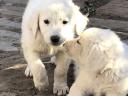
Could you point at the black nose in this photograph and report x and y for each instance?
(55, 40)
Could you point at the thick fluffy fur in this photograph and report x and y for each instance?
(103, 64)
(42, 20)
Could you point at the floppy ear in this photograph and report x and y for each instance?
(35, 26)
(81, 22)
(31, 21)
(115, 71)
(111, 72)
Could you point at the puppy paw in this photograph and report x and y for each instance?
(41, 84)
(28, 72)
(60, 89)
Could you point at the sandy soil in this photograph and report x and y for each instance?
(13, 81)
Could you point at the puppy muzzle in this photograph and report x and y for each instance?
(56, 40)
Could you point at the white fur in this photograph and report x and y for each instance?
(36, 38)
(103, 63)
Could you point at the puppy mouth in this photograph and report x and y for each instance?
(65, 46)
(57, 44)
(60, 43)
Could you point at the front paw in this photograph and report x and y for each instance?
(42, 83)
(60, 89)
(28, 72)
(40, 77)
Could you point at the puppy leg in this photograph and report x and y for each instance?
(76, 91)
(37, 68)
(84, 84)
(80, 86)
(60, 75)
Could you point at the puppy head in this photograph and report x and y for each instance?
(74, 48)
(58, 22)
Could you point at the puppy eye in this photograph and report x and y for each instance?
(78, 42)
(65, 22)
(46, 21)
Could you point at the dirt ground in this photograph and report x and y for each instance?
(12, 64)
(13, 81)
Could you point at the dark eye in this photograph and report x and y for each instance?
(46, 21)
(78, 42)
(65, 22)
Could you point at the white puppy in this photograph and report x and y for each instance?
(46, 25)
(103, 63)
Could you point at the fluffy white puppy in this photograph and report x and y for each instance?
(46, 25)
(103, 63)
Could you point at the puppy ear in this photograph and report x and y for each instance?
(81, 22)
(115, 71)
(36, 25)
(111, 72)
(31, 20)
